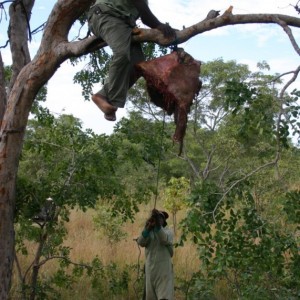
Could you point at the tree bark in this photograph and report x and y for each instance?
(19, 17)
(36, 264)
(29, 76)
(2, 89)
(11, 139)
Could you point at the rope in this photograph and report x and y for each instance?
(138, 270)
(156, 195)
(159, 159)
(174, 45)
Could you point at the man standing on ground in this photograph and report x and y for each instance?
(157, 239)
(113, 21)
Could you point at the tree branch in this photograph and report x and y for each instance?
(244, 178)
(79, 48)
(296, 73)
(290, 35)
(65, 259)
(18, 36)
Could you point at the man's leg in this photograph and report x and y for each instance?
(117, 34)
(136, 56)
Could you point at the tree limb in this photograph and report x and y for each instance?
(290, 35)
(296, 73)
(79, 48)
(268, 164)
(18, 35)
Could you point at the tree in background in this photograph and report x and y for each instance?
(76, 169)
(174, 199)
(60, 161)
(120, 171)
(243, 162)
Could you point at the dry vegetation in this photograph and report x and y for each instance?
(87, 242)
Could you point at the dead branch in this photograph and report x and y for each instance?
(266, 165)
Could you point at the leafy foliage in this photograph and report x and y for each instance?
(238, 177)
(239, 245)
(110, 225)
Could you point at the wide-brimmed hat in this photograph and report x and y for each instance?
(164, 214)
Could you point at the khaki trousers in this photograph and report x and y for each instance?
(121, 76)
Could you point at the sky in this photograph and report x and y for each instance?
(247, 44)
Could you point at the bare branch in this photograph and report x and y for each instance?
(191, 163)
(207, 169)
(65, 259)
(272, 163)
(39, 28)
(290, 35)
(153, 35)
(207, 25)
(293, 79)
(3, 9)
(19, 270)
(5, 45)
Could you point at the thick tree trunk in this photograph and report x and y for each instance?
(12, 133)
(32, 77)
(28, 78)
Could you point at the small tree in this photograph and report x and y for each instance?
(109, 224)
(175, 196)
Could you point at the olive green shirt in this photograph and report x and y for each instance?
(124, 7)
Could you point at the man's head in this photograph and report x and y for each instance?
(163, 217)
(160, 216)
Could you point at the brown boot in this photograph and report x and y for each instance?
(103, 104)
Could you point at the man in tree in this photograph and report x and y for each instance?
(157, 239)
(113, 21)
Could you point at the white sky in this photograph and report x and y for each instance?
(247, 44)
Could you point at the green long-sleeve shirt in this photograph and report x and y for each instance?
(132, 9)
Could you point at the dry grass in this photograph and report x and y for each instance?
(86, 243)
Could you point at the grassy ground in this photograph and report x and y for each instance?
(87, 242)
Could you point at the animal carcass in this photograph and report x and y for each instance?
(172, 83)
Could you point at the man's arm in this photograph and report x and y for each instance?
(150, 20)
(146, 14)
(165, 237)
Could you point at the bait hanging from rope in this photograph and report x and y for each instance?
(173, 83)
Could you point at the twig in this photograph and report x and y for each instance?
(65, 259)
(5, 45)
(38, 29)
(18, 267)
(296, 73)
(242, 179)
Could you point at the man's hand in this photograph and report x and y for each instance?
(167, 30)
(150, 224)
(158, 218)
